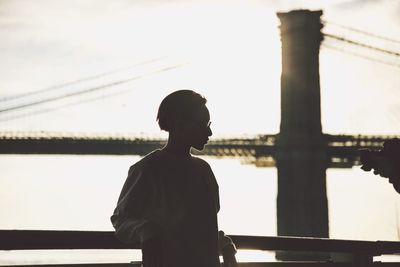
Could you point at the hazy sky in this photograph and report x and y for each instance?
(127, 55)
(227, 50)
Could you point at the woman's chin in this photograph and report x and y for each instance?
(199, 147)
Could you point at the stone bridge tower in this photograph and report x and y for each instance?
(300, 148)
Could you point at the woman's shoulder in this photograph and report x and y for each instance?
(148, 161)
(201, 163)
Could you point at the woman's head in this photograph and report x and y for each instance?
(184, 114)
(180, 105)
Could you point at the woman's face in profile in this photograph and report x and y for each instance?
(197, 130)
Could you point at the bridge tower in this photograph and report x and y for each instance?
(301, 156)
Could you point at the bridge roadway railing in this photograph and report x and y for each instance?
(343, 253)
(103, 144)
(342, 150)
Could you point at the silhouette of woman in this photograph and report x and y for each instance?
(170, 199)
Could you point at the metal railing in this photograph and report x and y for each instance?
(340, 252)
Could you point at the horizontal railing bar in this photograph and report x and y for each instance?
(44, 239)
(47, 240)
(240, 264)
(136, 264)
(316, 244)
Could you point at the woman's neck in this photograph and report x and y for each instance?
(177, 148)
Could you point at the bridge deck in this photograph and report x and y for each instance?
(342, 150)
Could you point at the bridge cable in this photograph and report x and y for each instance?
(360, 55)
(89, 90)
(392, 116)
(84, 101)
(339, 38)
(63, 85)
(51, 109)
(362, 32)
(46, 110)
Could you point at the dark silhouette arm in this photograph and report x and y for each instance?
(152, 253)
(129, 219)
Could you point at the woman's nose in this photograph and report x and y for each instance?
(209, 131)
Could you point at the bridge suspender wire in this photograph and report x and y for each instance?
(360, 55)
(59, 86)
(339, 38)
(51, 109)
(89, 90)
(394, 117)
(362, 32)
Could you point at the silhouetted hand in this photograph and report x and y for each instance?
(152, 253)
(227, 249)
(385, 162)
(388, 169)
(396, 183)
